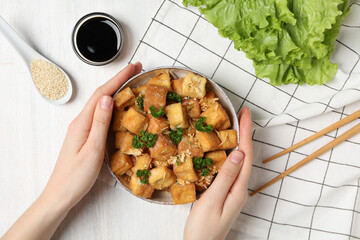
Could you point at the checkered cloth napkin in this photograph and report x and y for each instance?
(320, 200)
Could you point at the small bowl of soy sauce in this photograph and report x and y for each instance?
(98, 38)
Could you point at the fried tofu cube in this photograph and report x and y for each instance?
(121, 138)
(226, 125)
(192, 108)
(177, 86)
(194, 86)
(215, 115)
(218, 158)
(128, 173)
(139, 90)
(209, 99)
(157, 125)
(133, 159)
(162, 79)
(123, 141)
(185, 170)
(161, 163)
(182, 194)
(136, 108)
(228, 139)
(163, 149)
(139, 189)
(117, 121)
(156, 96)
(134, 121)
(161, 178)
(190, 146)
(210, 96)
(203, 182)
(120, 163)
(142, 162)
(177, 116)
(209, 141)
(124, 98)
(191, 130)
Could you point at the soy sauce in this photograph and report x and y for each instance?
(98, 39)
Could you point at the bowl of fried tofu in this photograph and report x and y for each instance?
(172, 129)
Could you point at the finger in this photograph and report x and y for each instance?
(138, 68)
(225, 178)
(109, 88)
(100, 125)
(245, 145)
(238, 191)
(80, 127)
(244, 123)
(242, 111)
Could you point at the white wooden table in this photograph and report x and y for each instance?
(32, 130)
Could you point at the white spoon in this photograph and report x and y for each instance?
(28, 54)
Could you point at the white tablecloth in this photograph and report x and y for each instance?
(319, 201)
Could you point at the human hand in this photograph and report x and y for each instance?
(82, 153)
(78, 164)
(217, 209)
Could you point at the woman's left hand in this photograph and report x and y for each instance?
(217, 209)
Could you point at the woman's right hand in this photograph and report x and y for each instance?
(78, 164)
(217, 209)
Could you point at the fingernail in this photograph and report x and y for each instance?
(105, 102)
(236, 157)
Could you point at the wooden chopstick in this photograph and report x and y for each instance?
(326, 130)
(317, 153)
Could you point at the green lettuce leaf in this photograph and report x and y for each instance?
(289, 41)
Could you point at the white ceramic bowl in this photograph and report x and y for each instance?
(164, 197)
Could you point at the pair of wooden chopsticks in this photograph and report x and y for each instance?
(318, 152)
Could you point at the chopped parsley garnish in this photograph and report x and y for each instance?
(173, 96)
(202, 162)
(148, 139)
(176, 136)
(203, 165)
(201, 126)
(197, 163)
(136, 142)
(178, 163)
(140, 101)
(205, 172)
(208, 161)
(143, 175)
(158, 113)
